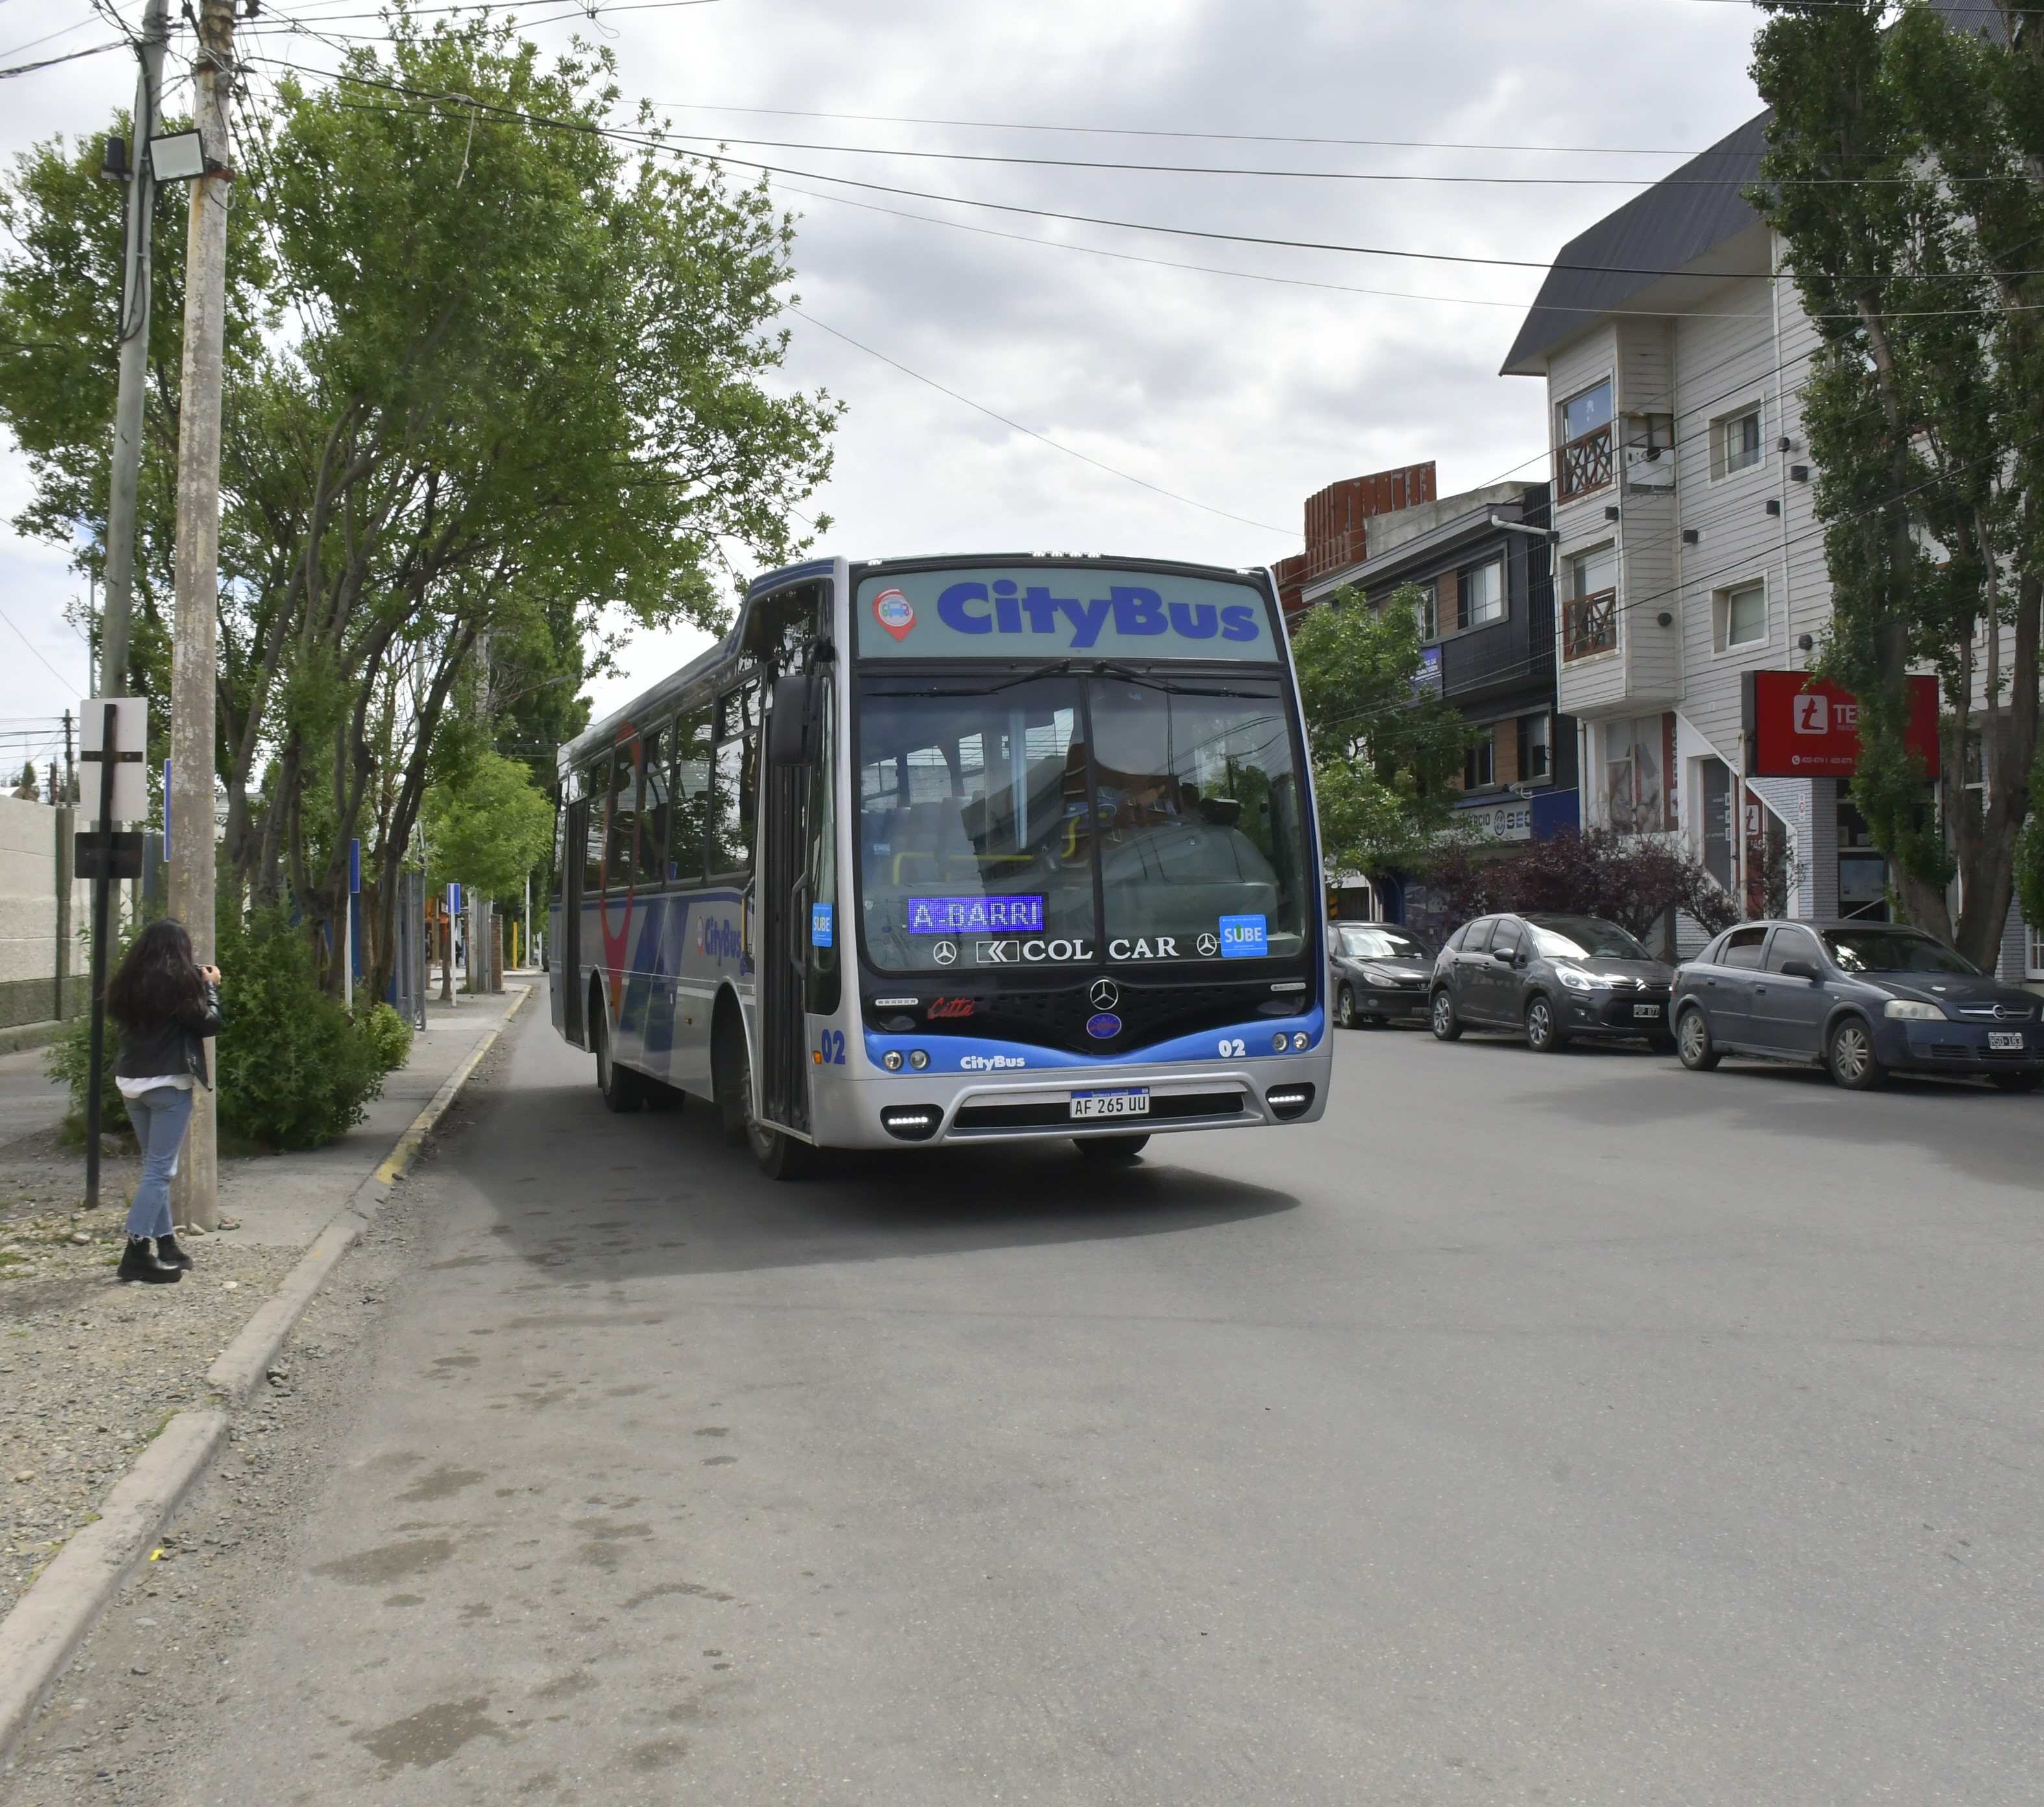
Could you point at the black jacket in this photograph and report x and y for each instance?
(166, 1045)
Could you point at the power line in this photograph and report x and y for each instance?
(1068, 451)
(72, 56)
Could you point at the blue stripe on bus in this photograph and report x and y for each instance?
(951, 1053)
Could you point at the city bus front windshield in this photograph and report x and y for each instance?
(988, 807)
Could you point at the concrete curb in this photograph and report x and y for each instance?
(40, 1636)
(50, 1621)
(25, 1035)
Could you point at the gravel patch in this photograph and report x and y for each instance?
(89, 1368)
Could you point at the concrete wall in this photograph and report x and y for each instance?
(33, 845)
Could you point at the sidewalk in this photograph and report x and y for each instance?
(90, 1370)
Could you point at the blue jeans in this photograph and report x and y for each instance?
(159, 1118)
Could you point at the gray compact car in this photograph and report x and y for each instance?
(1376, 973)
(1863, 999)
(1553, 979)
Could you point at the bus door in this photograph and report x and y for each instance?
(569, 988)
(784, 911)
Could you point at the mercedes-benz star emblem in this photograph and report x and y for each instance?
(944, 952)
(1209, 945)
(1104, 994)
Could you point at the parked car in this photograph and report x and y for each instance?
(1552, 979)
(1376, 973)
(1863, 999)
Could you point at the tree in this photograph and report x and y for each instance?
(490, 829)
(1387, 751)
(495, 381)
(1905, 171)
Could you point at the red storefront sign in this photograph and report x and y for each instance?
(1798, 726)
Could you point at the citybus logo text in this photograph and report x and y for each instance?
(990, 1062)
(718, 938)
(975, 609)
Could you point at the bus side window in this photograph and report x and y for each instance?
(653, 812)
(624, 816)
(731, 826)
(822, 985)
(689, 789)
(597, 790)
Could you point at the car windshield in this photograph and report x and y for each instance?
(1892, 950)
(1370, 941)
(1583, 938)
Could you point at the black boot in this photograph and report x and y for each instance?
(168, 1249)
(139, 1262)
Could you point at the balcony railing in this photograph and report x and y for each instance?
(1584, 464)
(1589, 626)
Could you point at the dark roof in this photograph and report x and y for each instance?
(1692, 210)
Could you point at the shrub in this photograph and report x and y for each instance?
(389, 1036)
(68, 1061)
(293, 1070)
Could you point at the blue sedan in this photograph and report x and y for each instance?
(1862, 999)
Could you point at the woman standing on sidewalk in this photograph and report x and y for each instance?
(167, 1005)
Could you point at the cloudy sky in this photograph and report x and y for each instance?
(1238, 377)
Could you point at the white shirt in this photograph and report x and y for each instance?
(135, 1088)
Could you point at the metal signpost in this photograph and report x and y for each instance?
(116, 730)
(347, 949)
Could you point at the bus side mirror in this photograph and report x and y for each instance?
(791, 728)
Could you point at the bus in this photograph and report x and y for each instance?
(937, 850)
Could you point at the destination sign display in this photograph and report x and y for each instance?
(953, 916)
(1029, 611)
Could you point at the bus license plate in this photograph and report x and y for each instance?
(1646, 1010)
(1134, 1102)
(2007, 1041)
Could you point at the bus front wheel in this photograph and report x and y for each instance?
(1110, 1148)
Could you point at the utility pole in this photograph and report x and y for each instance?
(134, 341)
(195, 636)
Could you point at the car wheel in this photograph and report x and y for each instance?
(1110, 1150)
(2016, 1082)
(1541, 1035)
(1693, 1042)
(1849, 1055)
(1344, 1008)
(1446, 1024)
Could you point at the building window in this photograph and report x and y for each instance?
(1735, 443)
(1584, 458)
(1719, 827)
(1430, 611)
(1741, 616)
(1480, 763)
(1590, 615)
(1483, 595)
(1536, 748)
(1638, 753)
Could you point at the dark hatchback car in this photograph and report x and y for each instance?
(1861, 998)
(1376, 973)
(1552, 979)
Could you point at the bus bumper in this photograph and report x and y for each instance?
(932, 1110)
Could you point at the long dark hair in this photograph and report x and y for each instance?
(157, 977)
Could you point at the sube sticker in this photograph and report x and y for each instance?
(1243, 937)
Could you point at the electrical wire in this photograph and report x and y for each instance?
(70, 56)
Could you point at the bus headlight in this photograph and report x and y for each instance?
(892, 1060)
(1299, 1039)
(918, 1059)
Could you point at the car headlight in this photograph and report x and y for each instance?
(1377, 975)
(1910, 1010)
(1575, 979)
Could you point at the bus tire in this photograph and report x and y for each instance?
(731, 1076)
(1110, 1149)
(623, 1090)
(781, 1156)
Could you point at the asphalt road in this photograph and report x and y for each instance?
(1566, 1429)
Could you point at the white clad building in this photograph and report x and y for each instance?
(1688, 554)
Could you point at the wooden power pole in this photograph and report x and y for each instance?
(195, 635)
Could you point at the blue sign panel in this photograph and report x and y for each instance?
(819, 925)
(956, 916)
(1004, 614)
(1243, 937)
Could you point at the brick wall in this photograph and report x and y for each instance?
(1336, 534)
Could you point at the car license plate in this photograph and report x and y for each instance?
(1133, 1102)
(2005, 1041)
(1646, 1010)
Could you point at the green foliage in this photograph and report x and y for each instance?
(1387, 751)
(1632, 880)
(488, 826)
(293, 1071)
(388, 1035)
(1904, 172)
(67, 1061)
(498, 388)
